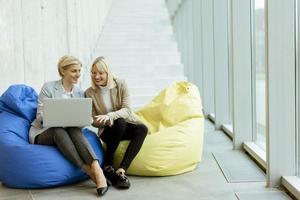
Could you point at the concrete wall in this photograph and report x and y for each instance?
(35, 34)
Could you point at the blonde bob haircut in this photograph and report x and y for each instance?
(101, 65)
(65, 62)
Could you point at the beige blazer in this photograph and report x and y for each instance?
(119, 96)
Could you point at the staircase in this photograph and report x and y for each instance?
(138, 41)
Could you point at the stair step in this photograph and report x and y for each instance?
(136, 45)
(140, 19)
(138, 37)
(133, 32)
(144, 22)
(141, 54)
(136, 107)
(137, 34)
(143, 61)
(163, 82)
(139, 42)
(140, 99)
(151, 29)
(136, 51)
(138, 81)
(139, 90)
(149, 42)
(169, 47)
(126, 73)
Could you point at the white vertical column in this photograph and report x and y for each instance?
(190, 41)
(175, 26)
(180, 29)
(242, 88)
(221, 63)
(230, 60)
(197, 47)
(281, 120)
(208, 56)
(184, 29)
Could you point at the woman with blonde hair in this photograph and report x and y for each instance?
(114, 119)
(69, 140)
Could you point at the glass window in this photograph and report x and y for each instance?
(259, 73)
(230, 95)
(298, 92)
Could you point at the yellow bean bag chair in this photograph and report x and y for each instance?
(175, 139)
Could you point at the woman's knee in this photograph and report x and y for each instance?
(119, 127)
(142, 130)
(59, 134)
(74, 131)
(120, 122)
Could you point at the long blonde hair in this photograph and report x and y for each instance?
(102, 65)
(65, 62)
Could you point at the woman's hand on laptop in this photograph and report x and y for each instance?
(102, 120)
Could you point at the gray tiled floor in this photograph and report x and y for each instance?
(263, 196)
(207, 182)
(242, 170)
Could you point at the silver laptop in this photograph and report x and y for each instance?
(67, 112)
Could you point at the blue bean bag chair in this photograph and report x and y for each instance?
(25, 165)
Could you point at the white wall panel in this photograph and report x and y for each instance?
(35, 34)
(51, 39)
(18, 54)
(72, 27)
(83, 37)
(33, 43)
(7, 41)
(62, 26)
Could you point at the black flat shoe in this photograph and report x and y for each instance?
(110, 175)
(101, 191)
(122, 181)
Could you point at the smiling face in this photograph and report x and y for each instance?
(99, 78)
(71, 74)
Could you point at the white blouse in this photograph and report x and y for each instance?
(105, 93)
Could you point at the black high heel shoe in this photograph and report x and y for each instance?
(102, 190)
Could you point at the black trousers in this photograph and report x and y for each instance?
(121, 130)
(71, 142)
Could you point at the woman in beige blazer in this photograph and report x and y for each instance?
(114, 119)
(69, 140)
